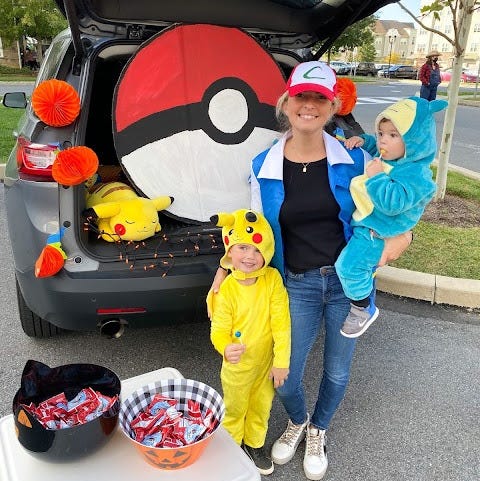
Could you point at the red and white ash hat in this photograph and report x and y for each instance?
(315, 77)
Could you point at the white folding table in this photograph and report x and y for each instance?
(222, 460)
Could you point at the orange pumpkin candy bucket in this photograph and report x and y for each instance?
(182, 390)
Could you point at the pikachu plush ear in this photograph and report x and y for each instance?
(107, 210)
(162, 202)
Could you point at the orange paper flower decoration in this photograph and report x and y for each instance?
(75, 165)
(56, 103)
(49, 262)
(347, 92)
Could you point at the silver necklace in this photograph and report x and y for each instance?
(305, 165)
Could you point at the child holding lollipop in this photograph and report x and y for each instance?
(250, 329)
(390, 197)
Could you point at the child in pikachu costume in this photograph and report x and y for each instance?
(251, 330)
(390, 197)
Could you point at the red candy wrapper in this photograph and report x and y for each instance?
(59, 413)
(162, 425)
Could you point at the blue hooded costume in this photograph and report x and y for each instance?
(392, 202)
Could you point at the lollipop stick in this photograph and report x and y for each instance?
(238, 335)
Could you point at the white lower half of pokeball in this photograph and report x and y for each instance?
(203, 176)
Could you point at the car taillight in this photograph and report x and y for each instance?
(35, 160)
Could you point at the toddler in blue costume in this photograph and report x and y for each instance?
(390, 197)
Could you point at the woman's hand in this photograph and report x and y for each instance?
(217, 281)
(279, 376)
(395, 247)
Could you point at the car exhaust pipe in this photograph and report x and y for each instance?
(113, 328)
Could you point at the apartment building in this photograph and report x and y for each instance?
(427, 41)
(393, 39)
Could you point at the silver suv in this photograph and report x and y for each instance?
(108, 285)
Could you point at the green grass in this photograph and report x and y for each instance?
(9, 74)
(441, 250)
(461, 186)
(448, 251)
(8, 122)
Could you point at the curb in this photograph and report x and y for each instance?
(429, 287)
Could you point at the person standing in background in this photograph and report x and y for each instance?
(430, 76)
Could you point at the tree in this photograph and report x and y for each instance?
(367, 52)
(461, 18)
(358, 34)
(393, 59)
(39, 19)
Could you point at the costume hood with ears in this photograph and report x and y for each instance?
(245, 227)
(414, 119)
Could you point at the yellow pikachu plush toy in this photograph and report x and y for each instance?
(121, 214)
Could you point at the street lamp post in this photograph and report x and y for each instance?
(391, 41)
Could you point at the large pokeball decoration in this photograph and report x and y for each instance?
(192, 108)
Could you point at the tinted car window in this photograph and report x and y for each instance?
(53, 57)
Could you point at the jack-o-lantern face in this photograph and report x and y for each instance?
(182, 390)
(189, 121)
(160, 458)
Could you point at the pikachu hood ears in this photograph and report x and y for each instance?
(245, 226)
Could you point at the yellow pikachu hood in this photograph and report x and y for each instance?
(245, 226)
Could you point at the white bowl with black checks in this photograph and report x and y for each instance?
(181, 390)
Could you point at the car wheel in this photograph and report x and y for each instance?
(33, 325)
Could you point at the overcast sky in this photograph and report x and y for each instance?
(394, 12)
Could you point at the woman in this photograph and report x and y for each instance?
(429, 75)
(301, 184)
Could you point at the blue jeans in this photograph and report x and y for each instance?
(317, 296)
(428, 92)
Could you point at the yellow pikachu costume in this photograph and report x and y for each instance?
(259, 314)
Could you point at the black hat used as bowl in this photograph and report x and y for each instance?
(39, 383)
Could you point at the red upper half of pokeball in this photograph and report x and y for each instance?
(177, 66)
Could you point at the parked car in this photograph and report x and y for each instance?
(341, 68)
(383, 72)
(96, 288)
(401, 71)
(466, 75)
(366, 68)
(381, 66)
(471, 76)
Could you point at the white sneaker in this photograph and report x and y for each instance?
(284, 447)
(315, 462)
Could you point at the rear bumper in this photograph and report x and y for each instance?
(73, 304)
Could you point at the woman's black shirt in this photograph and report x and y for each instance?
(312, 233)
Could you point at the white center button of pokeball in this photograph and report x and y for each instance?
(228, 111)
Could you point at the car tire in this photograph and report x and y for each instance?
(33, 325)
